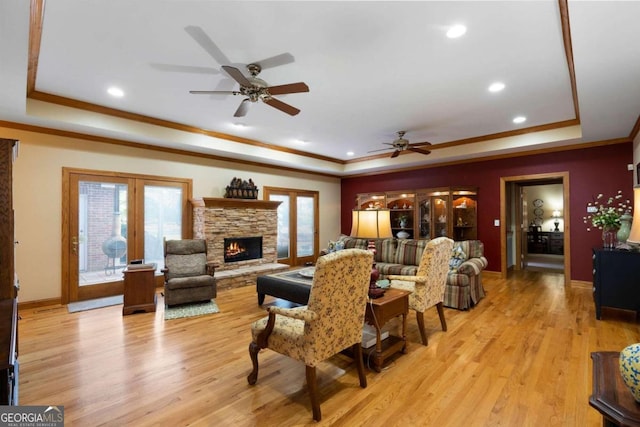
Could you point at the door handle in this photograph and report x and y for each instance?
(74, 245)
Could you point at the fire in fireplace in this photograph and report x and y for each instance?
(242, 248)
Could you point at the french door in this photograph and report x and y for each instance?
(297, 241)
(110, 219)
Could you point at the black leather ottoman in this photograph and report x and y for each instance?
(290, 286)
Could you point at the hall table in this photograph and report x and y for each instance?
(139, 288)
(611, 397)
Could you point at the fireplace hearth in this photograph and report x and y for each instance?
(242, 248)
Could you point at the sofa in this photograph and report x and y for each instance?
(401, 257)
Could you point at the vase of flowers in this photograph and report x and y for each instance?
(605, 216)
(609, 237)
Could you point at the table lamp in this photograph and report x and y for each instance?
(556, 219)
(372, 224)
(634, 235)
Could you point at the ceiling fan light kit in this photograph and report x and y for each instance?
(401, 144)
(255, 89)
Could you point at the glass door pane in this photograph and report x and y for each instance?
(282, 242)
(162, 219)
(102, 231)
(305, 226)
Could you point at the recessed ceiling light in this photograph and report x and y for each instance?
(519, 119)
(496, 87)
(456, 31)
(239, 125)
(301, 142)
(115, 91)
(350, 153)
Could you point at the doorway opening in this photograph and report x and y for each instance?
(534, 236)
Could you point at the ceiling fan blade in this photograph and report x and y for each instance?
(174, 68)
(207, 44)
(381, 149)
(274, 61)
(237, 75)
(292, 111)
(418, 150)
(395, 154)
(243, 108)
(214, 92)
(289, 88)
(420, 144)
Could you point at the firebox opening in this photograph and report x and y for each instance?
(242, 248)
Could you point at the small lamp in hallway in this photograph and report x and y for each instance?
(556, 219)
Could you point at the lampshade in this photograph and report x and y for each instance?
(634, 235)
(556, 214)
(371, 224)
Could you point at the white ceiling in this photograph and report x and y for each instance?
(373, 68)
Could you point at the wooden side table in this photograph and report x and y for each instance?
(395, 302)
(139, 289)
(610, 395)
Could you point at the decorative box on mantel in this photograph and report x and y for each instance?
(239, 189)
(215, 219)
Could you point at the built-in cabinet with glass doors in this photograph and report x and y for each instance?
(428, 213)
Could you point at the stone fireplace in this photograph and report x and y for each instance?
(221, 220)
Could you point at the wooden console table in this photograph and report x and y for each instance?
(394, 302)
(611, 397)
(139, 289)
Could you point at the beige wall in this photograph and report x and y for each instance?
(551, 195)
(37, 194)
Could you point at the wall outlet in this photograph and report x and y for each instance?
(630, 167)
(592, 209)
(496, 222)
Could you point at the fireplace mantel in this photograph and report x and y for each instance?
(211, 202)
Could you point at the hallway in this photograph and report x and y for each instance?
(545, 262)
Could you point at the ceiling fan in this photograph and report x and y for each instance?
(255, 89)
(402, 144)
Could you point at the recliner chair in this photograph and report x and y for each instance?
(188, 276)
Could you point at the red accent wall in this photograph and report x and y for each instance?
(591, 171)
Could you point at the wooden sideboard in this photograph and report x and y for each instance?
(545, 242)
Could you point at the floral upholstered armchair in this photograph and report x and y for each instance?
(188, 277)
(331, 322)
(427, 286)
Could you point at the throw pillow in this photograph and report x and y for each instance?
(457, 258)
(352, 242)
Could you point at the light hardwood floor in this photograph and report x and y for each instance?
(520, 358)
